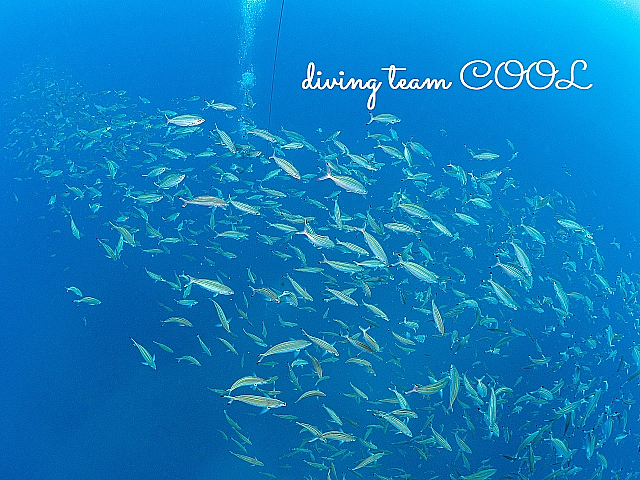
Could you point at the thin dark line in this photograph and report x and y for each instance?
(275, 57)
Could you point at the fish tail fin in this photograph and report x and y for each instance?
(305, 230)
(328, 175)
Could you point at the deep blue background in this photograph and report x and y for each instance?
(73, 406)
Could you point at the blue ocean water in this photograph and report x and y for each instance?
(77, 403)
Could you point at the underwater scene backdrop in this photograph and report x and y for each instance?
(320, 240)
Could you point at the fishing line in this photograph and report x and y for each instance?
(275, 57)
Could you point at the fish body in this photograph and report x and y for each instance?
(212, 286)
(285, 347)
(257, 401)
(386, 118)
(185, 120)
(88, 301)
(347, 183)
(148, 358)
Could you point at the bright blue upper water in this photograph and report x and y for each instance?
(76, 401)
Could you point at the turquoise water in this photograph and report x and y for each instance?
(86, 89)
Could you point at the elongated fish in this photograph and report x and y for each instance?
(257, 401)
(212, 286)
(285, 347)
(185, 120)
(148, 359)
(347, 183)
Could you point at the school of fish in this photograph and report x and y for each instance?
(408, 322)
